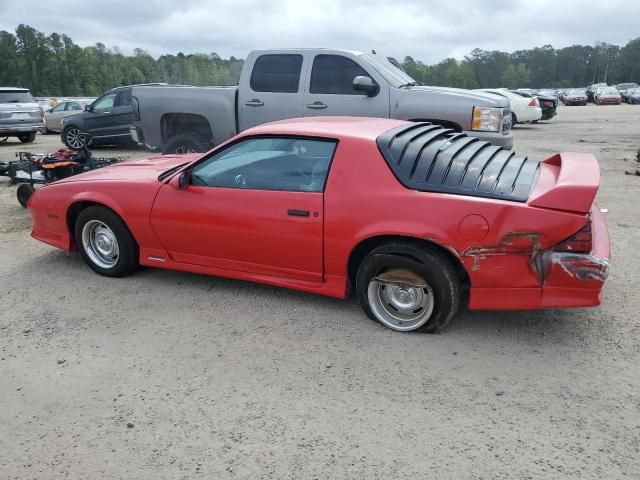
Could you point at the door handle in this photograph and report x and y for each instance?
(317, 105)
(298, 213)
(254, 103)
(106, 113)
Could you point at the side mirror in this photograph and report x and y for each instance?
(366, 85)
(87, 108)
(184, 180)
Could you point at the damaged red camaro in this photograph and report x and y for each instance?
(417, 219)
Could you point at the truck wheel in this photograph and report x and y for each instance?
(27, 137)
(186, 143)
(23, 193)
(407, 287)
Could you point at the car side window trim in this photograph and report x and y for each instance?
(233, 144)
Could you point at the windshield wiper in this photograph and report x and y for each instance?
(167, 173)
(411, 84)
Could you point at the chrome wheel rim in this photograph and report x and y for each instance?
(100, 244)
(74, 138)
(400, 306)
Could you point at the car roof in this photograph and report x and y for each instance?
(13, 89)
(331, 127)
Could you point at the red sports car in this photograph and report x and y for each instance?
(418, 219)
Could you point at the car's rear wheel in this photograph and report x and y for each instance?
(105, 242)
(186, 143)
(514, 119)
(73, 138)
(407, 287)
(27, 137)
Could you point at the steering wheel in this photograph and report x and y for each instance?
(240, 180)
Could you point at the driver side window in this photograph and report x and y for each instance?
(268, 163)
(105, 103)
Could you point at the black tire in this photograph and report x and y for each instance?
(126, 261)
(23, 193)
(27, 137)
(69, 136)
(427, 262)
(186, 143)
(514, 119)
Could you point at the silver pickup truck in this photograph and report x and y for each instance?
(279, 84)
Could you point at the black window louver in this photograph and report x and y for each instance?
(431, 158)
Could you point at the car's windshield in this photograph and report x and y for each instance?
(576, 92)
(19, 96)
(609, 91)
(387, 70)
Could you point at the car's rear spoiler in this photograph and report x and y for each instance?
(568, 181)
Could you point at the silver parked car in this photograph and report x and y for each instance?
(53, 118)
(20, 115)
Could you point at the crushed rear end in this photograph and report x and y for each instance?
(574, 270)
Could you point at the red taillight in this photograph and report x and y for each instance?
(581, 242)
(534, 102)
(548, 104)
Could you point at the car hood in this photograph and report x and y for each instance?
(479, 98)
(135, 170)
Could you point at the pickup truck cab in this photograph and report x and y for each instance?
(290, 83)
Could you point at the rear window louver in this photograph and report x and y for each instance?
(431, 158)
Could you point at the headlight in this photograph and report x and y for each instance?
(486, 119)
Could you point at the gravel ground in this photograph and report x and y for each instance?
(172, 375)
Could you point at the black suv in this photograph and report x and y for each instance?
(107, 120)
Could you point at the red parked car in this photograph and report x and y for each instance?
(418, 219)
(608, 96)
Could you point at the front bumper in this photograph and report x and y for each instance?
(499, 139)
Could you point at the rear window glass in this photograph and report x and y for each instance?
(16, 97)
(276, 73)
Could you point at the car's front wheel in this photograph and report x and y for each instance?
(105, 242)
(408, 287)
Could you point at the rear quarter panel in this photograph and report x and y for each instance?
(363, 200)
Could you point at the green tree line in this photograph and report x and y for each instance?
(53, 65)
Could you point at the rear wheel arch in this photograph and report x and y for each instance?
(362, 249)
(172, 124)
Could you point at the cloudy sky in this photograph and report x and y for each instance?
(427, 30)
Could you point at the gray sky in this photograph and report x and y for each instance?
(427, 30)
